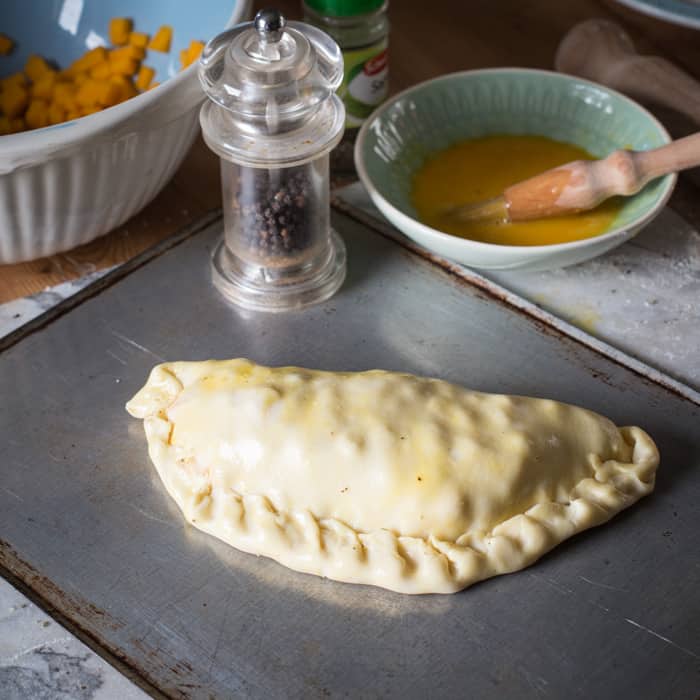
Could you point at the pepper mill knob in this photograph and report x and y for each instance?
(270, 23)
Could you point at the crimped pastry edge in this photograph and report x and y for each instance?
(330, 548)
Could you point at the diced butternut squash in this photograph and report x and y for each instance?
(161, 39)
(91, 93)
(144, 78)
(14, 79)
(37, 115)
(100, 78)
(126, 87)
(64, 94)
(108, 94)
(14, 100)
(6, 46)
(139, 39)
(56, 113)
(69, 104)
(101, 71)
(191, 54)
(124, 66)
(131, 52)
(119, 30)
(35, 67)
(88, 60)
(43, 88)
(11, 126)
(84, 111)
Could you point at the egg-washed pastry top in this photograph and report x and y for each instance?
(409, 483)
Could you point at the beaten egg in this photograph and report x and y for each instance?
(478, 169)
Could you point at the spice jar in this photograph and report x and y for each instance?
(273, 118)
(361, 28)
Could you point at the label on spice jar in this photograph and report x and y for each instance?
(366, 81)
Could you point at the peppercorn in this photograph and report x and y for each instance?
(274, 209)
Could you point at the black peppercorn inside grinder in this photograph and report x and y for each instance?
(273, 117)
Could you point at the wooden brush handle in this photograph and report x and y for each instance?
(602, 51)
(584, 184)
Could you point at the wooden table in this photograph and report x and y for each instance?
(427, 39)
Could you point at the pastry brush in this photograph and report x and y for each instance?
(582, 184)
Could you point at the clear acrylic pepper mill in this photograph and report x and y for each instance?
(273, 117)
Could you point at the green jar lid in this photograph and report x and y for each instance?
(344, 8)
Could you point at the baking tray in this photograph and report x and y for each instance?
(89, 530)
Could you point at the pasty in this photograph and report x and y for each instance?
(413, 484)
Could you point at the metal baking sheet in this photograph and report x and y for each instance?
(86, 525)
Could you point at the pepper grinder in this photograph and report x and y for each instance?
(273, 117)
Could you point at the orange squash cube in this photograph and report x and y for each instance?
(56, 113)
(161, 39)
(124, 66)
(126, 87)
(64, 95)
(108, 94)
(194, 51)
(127, 52)
(139, 39)
(43, 87)
(14, 100)
(84, 111)
(88, 93)
(101, 71)
(37, 115)
(119, 30)
(15, 79)
(35, 67)
(144, 78)
(63, 91)
(6, 45)
(88, 60)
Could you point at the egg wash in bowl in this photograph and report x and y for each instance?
(408, 132)
(479, 169)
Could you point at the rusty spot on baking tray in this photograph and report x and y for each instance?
(154, 670)
(178, 667)
(542, 320)
(50, 592)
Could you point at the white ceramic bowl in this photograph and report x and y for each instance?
(65, 185)
(400, 135)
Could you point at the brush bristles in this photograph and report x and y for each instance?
(495, 210)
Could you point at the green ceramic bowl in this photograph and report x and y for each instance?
(395, 141)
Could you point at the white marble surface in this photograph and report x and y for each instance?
(16, 313)
(41, 660)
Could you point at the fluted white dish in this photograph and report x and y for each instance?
(397, 138)
(67, 184)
